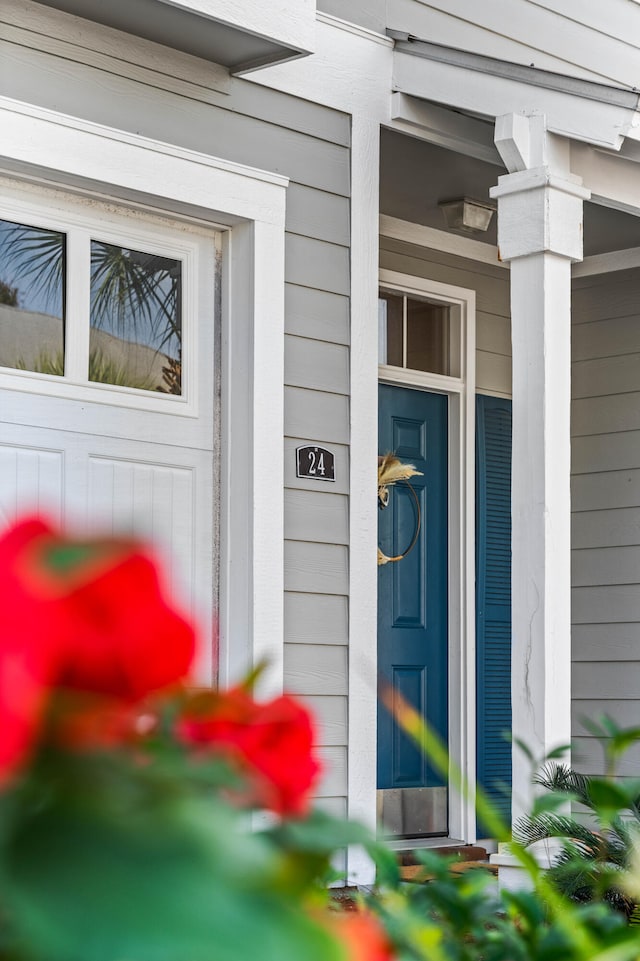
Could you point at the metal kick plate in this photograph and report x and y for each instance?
(413, 812)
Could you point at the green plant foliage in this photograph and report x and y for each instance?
(8, 295)
(139, 868)
(597, 822)
(125, 827)
(465, 917)
(102, 370)
(45, 363)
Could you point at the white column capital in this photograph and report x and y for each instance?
(539, 212)
(539, 201)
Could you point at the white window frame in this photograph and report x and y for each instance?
(47, 209)
(46, 147)
(461, 526)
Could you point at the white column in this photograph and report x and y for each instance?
(540, 233)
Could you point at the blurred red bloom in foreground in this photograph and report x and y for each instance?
(272, 743)
(83, 615)
(363, 936)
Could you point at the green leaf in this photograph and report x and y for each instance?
(561, 751)
(621, 741)
(549, 803)
(609, 796)
(525, 749)
(174, 884)
(386, 862)
(320, 833)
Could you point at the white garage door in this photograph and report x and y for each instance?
(107, 379)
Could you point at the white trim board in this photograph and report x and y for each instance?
(441, 240)
(462, 628)
(607, 263)
(355, 28)
(251, 203)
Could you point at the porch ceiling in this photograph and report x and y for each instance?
(416, 175)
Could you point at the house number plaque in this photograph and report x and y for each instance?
(316, 463)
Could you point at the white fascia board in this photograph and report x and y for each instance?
(288, 22)
(569, 114)
(252, 203)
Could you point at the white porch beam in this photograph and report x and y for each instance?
(614, 180)
(443, 127)
(579, 109)
(540, 233)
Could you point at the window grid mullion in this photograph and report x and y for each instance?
(404, 331)
(78, 305)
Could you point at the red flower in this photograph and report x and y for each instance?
(79, 721)
(88, 616)
(363, 936)
(272, 743)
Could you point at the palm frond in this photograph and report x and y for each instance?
(131, 289)
(34, 255)
(562, 778)
(528, 830)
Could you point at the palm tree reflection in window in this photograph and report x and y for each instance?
(32, 298)
(136, 318)
(135, 310)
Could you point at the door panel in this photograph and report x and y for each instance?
(412, 593)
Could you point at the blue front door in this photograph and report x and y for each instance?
(412, 603)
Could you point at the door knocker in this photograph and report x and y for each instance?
(392, 471)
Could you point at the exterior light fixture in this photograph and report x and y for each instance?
(474, 216)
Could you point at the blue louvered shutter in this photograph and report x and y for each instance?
(493, 599)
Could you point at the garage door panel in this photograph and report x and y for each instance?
(152, 501)
(31, 480)
(86, 441)
(85, 414)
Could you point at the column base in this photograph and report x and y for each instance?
(512, 876)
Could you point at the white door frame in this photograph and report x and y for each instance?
(461, 530)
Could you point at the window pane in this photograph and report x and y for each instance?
(31, 298)
(390, 329)
(136, 319)
(428, 336)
